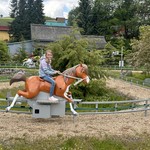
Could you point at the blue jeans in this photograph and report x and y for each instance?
(50, 80)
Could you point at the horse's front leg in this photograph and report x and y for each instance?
(68, 96)
(13, 103)
(70, 100)
(72, 109)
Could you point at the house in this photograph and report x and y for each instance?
(59, 21)
(45, 34)
(4, 28)
(4, 36)
(52, 31)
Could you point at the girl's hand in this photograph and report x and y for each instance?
(57, 72)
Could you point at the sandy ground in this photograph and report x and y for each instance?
(137, 92)
(122, 125)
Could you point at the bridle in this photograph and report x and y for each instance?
(76, 78)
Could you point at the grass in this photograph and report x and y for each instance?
(12, 92)
(5, 21)
(134, 77)
(60, 142)
(28, 72)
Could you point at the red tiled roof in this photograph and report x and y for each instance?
(4, 28)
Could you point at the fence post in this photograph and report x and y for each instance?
(146, 102)
(116, 105)
(96, 107)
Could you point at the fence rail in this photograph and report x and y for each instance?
(97, 107)
(132, 106)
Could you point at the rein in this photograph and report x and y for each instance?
(79, 79)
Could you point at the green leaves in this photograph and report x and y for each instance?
(141, 49)
(25, 13)
(4, 55)
(71, 51)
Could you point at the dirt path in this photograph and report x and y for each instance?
(123, 125)
(129, 89)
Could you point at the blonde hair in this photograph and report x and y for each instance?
(48, 51)
(48, 60)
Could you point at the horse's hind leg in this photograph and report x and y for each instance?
(13, 103)
(27, 94)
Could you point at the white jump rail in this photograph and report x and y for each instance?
(144, 102)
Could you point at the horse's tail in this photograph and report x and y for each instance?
(20, 76)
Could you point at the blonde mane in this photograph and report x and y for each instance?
(71, 71)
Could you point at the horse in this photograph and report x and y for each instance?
(35, 84)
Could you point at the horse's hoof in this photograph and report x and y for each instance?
(7, 109)
(75, 114)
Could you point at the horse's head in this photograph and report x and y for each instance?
(82, 72)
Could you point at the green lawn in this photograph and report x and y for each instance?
(60, 142)
(5, 21)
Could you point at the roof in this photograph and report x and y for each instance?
(4, 28)
(48, 33)
(98, 42)
(54, 23)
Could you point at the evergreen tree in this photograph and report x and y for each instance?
(101, 14)
(18, 27)
(39, 17)
(73, 16)
(14, 8)
(29, 11)
(34, 14)
(29, 18)
(84, 16)
(127, 19)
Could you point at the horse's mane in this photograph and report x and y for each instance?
(71, 70)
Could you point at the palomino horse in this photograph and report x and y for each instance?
(34, 84)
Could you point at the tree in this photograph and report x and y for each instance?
(141, 49)
(143, 12)
(17, 26)
(29, 11)
(84, 15)
(73, 16)
(101, 14)
(38, 12)
(14, 8)
(29, 18)
(127, 19)
(71, 51)
(4, 55)
(34, 14)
